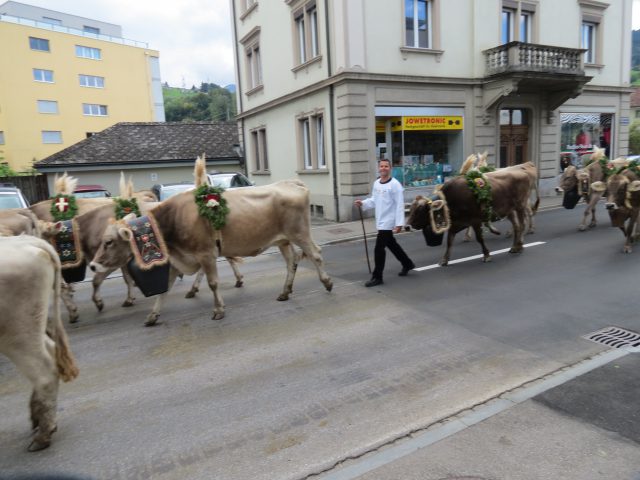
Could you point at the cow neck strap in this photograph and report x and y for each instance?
(440, 218)
(67, 244)
(147, 243)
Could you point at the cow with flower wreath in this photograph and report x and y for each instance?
(588, 183)
(473, 199)
(196, 227)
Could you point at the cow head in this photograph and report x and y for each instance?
(569, 180)
(432, 216)
(622, 193)
(115, 247)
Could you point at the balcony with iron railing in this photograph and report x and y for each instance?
(519, 57)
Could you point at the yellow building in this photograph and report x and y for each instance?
(64, 77)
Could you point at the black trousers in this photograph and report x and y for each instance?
(385, 239)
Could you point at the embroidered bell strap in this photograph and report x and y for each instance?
(67, 244)
(147, 244)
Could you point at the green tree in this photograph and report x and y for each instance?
(6, 170)
(634, 138)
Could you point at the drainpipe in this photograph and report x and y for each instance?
(334, 162)
(239, 84)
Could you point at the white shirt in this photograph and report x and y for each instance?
(388, 200)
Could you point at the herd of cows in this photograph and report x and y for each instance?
(272, 215)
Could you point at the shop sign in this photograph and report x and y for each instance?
(432, 123)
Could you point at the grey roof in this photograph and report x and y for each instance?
(138, 143)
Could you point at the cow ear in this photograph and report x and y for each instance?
(598, 186)
(419, 197)
(634, 186)
(125, 233)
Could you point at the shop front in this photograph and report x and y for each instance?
(580, 133)
(425, 145)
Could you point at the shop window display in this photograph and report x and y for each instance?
(581, 133)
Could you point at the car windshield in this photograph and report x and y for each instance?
(221, 181)
(10, 200)
(95, 194)
(170, 190)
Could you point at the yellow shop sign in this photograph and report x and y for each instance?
(432, 123)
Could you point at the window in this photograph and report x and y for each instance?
(41, 44)
(418, 23)
(516, 30)
(52, 21)
(259, 146)
(589, 41)
(40, 75)
(51, 136)
(591, 30)
(253, 61)
(88, 52)
(1, 138)
(91, 81)
(306, 32)
(47, 106)
(89, 29)
(94, 110)
(312, 145)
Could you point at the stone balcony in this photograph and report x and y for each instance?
(529, 57)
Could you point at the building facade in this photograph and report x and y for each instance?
(65, 77)
(327, 87)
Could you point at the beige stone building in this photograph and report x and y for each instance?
(326, 87)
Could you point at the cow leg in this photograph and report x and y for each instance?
(530, 222)
(477, 228)
(129, 281)
(236, 271)
(210, 269)
(451, 234)
(591, 208)
(313, 253)
(517, 221)
(290, 257)
(629, 236)
(467, 235)
(98, 278)
(152, 318)
(195, 287)
(32, 356)
(66, 294)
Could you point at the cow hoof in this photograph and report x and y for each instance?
(217, 316)
(486, 259)
(39, 444)
(444, 263)
(466, 239)
(283, 297)
(128, 303)
(592, 225)
(582, 228)
(626, 250)
(73, 317)
(151, 320)
(99, 305)
(190, 294)
(329, 286)
(239, 283)
(515, 250)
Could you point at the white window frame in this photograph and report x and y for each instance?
(305, 32)
(520, 12)
(253, 61)
(259, 148)
(48, 107)
(592, 19)
(40, 75)
(415, 41)
(91, 30)
(91, 53)
(588, 41)
(94, 110)
(91, 81)
(311, 141)
(51, 136)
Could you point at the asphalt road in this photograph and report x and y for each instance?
(284, 390)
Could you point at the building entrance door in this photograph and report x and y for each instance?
(514, 137)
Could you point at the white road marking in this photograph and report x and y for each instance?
(475, 257)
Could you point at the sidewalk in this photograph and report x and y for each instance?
(326, 233)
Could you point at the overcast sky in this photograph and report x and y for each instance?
(192, 36)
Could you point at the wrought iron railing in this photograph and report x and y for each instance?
(530, 57)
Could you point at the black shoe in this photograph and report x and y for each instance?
(405, 270)
(373, 282)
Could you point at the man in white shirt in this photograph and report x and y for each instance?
(388, 201)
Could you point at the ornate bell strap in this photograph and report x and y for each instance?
(147, 244)
(67, 244)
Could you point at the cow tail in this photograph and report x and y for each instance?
(65, 361)
(534, 209)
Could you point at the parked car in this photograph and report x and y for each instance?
(91, 191)
(229, 180)
(11, 197)
(166, 190)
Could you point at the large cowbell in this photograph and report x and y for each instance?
(570, 198)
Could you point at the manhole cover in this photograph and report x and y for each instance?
(615, 337)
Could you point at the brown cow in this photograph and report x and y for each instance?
(580, 183)
(623, 203)
(510, 197)
(17, 221)
(276, 214)
(34, 342)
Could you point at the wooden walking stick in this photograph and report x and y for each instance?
(364, 235)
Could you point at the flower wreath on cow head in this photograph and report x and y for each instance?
(212, 205)
(126, 206)
(63, 207)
